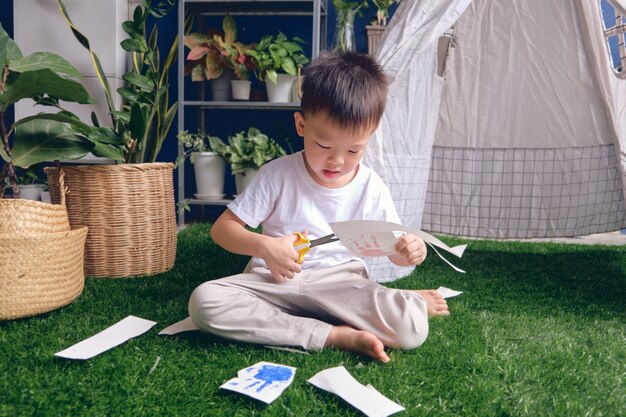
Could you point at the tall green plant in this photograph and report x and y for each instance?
(46, 78)
(146, 116)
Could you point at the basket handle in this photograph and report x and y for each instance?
(63, 190)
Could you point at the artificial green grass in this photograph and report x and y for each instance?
(539, 331)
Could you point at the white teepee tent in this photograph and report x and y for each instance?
(505, 119)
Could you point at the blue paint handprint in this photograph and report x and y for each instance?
(270, 374)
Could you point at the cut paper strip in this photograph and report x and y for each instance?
(110, 337)
(366, 399)
(179, 327)
(377, 238)
(263, 381)
(448, 293)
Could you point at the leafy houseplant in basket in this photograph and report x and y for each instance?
(209, 167)
(128, 206)
(219, 57)
(246, 152)
(277, 62)
(41, 256)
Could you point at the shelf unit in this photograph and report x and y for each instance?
(316, 9)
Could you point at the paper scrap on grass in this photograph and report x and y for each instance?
(447, 292)
(179, 327)
(364, 398)
(110, 337)
(263, 381)
(377, 238)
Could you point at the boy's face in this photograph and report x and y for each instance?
(331, 155)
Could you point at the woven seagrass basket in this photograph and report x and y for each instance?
(41, 258)
(130, 212)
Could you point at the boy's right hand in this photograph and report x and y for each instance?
(281, 257)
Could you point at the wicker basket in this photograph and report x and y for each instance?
(130, 212)
(41, 259)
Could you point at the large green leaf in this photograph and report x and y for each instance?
(105, 135)
(59, 117)
(108, 151)
(32, 83)
(47, 140)
(9, 50)
(43, 60)
(138, 121)
(140, 81)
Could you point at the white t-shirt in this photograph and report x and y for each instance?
(284, 199)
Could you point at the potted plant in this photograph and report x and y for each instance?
(31, 186)
(277, 62)
(376, 29)
(219, 57)
(246, 152)
(209, 167)
(129, 206)
(345, 12)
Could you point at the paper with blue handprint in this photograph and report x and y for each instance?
(264, 381)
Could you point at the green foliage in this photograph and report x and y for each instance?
(249, 150)
(277, 54)
(45, 78)
(143, 122)
(195, 142)
(210, 54)
(382, 12)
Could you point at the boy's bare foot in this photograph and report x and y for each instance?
(436, 305)
(357, 341)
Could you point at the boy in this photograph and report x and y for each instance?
(328, 300)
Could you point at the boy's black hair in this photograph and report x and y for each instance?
(348, 88)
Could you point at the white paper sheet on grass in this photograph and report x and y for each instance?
(376, 238)
(365, 398)
(182, 326)
(110, 337)
(264, 381)
(448, 293)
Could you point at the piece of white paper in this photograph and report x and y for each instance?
(369, 401)
(378, 238)
(110, 337)
(179, 327)
(263, 381)
(448, 293)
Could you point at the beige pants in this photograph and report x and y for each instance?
(252, 307)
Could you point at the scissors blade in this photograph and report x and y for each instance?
(323, 240)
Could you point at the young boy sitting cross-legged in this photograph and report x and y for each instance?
(327, 301)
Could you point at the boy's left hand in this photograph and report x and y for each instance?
(410, 250)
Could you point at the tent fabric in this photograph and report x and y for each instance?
(525, 136)
(399, 150)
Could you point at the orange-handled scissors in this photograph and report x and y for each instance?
(308, 244)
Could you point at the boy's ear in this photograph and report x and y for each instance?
(299, 120)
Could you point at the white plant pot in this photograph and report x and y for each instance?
(31, 191)
(220, 86)
(280, 91)
(241, 89)
(209, 168)
(242, 180)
